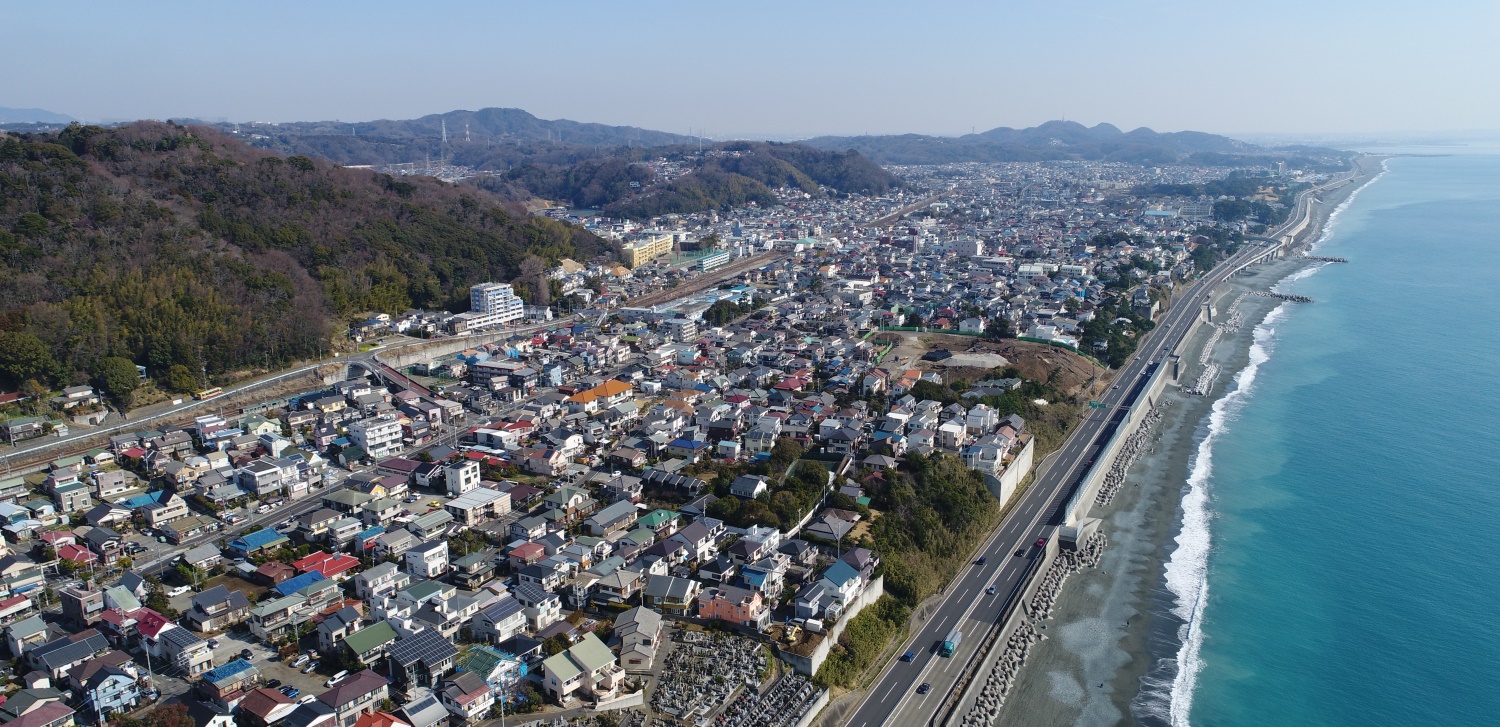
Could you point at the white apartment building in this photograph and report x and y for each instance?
(428, 560)
(461, 477)
(490, 304)
(379, 436)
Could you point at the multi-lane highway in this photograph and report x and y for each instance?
(1010, 552)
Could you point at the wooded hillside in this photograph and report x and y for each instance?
(169, 245)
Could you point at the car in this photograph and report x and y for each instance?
(909, 656)
(291, 692)
(925, 688)
(161, 538)
(246, 654)
(434, 503)
(273, 683)
(307, 699)
(990, 590)
(310, 668)
(1116, 386)
(1041, 542)
(213, 643)
(411, 498)
(300, 660)
(982, 560)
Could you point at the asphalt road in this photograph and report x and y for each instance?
(892, 698)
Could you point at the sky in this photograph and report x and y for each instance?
(772, 69)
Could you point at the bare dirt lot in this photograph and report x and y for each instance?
(1068, 371)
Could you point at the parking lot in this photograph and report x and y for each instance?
(270, 665)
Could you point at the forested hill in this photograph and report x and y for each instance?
(622, 183)
(170, 245)
(1054, 140)
(392, 141)
(582, 164)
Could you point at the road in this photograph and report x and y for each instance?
(892, 698)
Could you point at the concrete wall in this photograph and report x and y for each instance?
(1019, 467)
(626, 702)
(809, 664)
(424, 352)
(814, 708)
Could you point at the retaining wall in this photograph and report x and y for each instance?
(809, 664)
(814, 708)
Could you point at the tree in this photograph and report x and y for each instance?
(24, 357)
(181, 378)
(534, 273)
(999, 328)
(554, 645)
(118, 378)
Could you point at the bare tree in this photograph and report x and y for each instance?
(534, 272)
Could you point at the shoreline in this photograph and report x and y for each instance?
(1113, 628)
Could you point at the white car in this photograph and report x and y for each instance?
(297, 664)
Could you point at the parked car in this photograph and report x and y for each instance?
(247, 654)
(307, 699)
(274, 683)
(310, 668)
(301, 660)
(213, 643)
(291, 692)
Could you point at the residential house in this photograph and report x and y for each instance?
(639, 633)
(587, 668)
(355, 696)
(467, 697)
(217, 609)
(735, 605)
(421, 659)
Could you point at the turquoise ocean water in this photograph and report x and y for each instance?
(1338, 557)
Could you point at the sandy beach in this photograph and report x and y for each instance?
(1112, 623)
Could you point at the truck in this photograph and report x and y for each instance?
(950, 644)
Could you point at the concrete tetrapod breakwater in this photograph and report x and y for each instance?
(997, 684)
(1283, 296)
(1134, 446)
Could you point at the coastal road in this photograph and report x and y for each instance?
(1010, 551)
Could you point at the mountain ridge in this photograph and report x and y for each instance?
(1049, 141)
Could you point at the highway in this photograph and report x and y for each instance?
(965, 606)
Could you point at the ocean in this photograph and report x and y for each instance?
(1337, 558)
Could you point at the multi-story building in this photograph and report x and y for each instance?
(379, 437)
(644, 248)
(461, 477)
(428, 560)
(490, 304)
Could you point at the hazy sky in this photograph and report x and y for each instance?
(772, 68)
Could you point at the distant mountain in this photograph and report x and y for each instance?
(1054, 140)
(361, 142)
(580, 164)
(720, 176)
(31, 116)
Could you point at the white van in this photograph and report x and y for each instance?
(335, 679)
